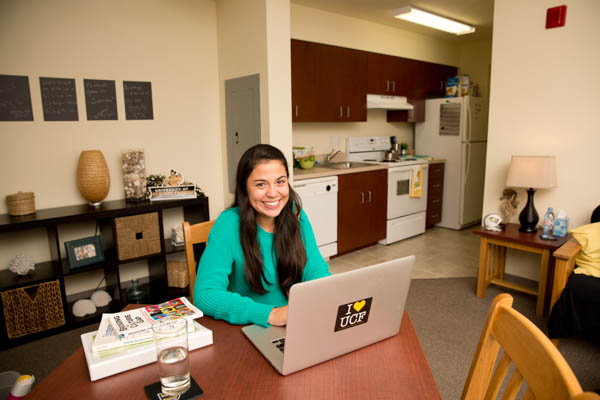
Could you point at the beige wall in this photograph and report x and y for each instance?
(325, 27)
(544, 89)
(338, 30)
(253, 38)
(171, 44)
(475, 61)
(279, 75)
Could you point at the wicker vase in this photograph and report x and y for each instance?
(93, 178)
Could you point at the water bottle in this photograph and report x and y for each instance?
(548, 223)
(21, 387)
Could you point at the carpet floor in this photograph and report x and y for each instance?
(446, 314)
(448, 318)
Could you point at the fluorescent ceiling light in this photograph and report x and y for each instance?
(409, 13)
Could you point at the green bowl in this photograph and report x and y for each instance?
(306, 163)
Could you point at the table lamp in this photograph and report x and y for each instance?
(531, 172)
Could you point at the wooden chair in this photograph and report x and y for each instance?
(194, 234)
(538, 362)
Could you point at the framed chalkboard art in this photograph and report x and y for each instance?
(100, 99)
(59, 99)
(138, 100)
(15, 98)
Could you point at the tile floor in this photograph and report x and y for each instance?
(440, 253)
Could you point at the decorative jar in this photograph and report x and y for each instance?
(134, 174)
(93, 177)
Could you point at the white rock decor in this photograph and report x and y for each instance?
(101, 298)
(21, 264)
(83, 307)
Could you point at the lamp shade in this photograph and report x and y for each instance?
(538, 172)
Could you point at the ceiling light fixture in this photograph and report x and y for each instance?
(412, 14)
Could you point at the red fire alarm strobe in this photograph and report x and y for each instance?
(556, 16)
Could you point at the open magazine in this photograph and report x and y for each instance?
(135, 326)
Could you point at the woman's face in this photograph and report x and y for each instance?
(268, 190)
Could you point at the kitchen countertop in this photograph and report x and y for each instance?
(320, 172)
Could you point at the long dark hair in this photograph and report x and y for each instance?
(287, 242)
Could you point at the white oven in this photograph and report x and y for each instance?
(405, 214)
(399, 201)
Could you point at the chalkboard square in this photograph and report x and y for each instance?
(138, 100)
(59, 99)
(100, 99)
(15, 98)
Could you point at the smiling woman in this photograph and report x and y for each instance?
(259, 247)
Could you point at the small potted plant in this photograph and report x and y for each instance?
(403, 149)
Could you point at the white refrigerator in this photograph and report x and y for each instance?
(455, 129)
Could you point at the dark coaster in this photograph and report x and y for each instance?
(153, 391)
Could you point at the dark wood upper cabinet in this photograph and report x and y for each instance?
(417, 114)
(436, 76)
(328, 83)
(393, 76)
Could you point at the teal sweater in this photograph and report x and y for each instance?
(221, 290)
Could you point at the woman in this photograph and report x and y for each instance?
(258, 248)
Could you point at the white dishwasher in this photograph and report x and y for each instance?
(319, 201)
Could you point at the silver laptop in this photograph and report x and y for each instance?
(335, 315)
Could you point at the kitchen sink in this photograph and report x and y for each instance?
(345, 165)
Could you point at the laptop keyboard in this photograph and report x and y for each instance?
(279, 343)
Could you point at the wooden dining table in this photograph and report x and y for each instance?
(232, 368)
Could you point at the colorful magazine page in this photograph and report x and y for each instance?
(138, 322)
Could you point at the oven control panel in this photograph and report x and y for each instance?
(368, 143)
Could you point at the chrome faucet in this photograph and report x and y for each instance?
(332, 154)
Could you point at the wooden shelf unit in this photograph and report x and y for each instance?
(194, 210)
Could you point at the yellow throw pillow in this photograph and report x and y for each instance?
(588, 259)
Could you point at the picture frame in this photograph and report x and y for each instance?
(85, 251)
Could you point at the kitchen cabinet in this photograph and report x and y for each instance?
(328, 83)
(435, 194)
(435, 77)
(417, 114)
(392, 76)
(362, 207)
(38, 300)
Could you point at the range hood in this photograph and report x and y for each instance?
(388, 102)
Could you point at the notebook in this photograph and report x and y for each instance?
(335, 315)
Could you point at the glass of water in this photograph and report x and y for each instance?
(171, 339)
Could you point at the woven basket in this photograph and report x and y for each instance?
(137, 236)
(21, 203)
(25, 314)
(93, 177)
(177, 274)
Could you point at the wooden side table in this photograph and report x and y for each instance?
(492, 256)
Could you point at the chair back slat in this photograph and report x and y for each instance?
(194, 234)
(498, 377)
(537, 362)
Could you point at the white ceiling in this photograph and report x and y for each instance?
(474, 12)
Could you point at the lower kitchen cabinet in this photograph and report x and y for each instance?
(435, 194)
(362, 207)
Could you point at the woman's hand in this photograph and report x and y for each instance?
(278, 316)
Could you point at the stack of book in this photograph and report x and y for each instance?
(124, 340)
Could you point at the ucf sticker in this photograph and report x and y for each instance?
(353, 314)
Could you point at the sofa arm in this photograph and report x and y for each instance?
(564, 259)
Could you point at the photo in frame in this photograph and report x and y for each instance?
(82, 252)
